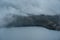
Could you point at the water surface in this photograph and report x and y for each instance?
(28, 33)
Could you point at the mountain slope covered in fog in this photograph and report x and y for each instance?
(46, 21)
(23, 7)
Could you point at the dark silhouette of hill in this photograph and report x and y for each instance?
(48, 21)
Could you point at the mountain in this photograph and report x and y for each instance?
(47, 21)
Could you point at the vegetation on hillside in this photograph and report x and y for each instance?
(47, 21)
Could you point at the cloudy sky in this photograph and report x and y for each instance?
(29, 6)
(21, 7)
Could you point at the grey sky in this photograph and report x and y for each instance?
(21, 7)
(29, 6)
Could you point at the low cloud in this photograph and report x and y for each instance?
(21, 7)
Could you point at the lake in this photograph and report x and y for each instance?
(28, 33)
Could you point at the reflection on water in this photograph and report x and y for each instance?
(28, 33)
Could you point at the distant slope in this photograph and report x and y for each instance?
(47, 21)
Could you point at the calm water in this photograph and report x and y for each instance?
(28, 33)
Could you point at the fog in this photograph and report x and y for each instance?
(23, 7)
(29, 6)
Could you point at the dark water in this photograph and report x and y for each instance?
(28, 33)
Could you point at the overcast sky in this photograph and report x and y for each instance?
(29, 6)
(21, 7)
